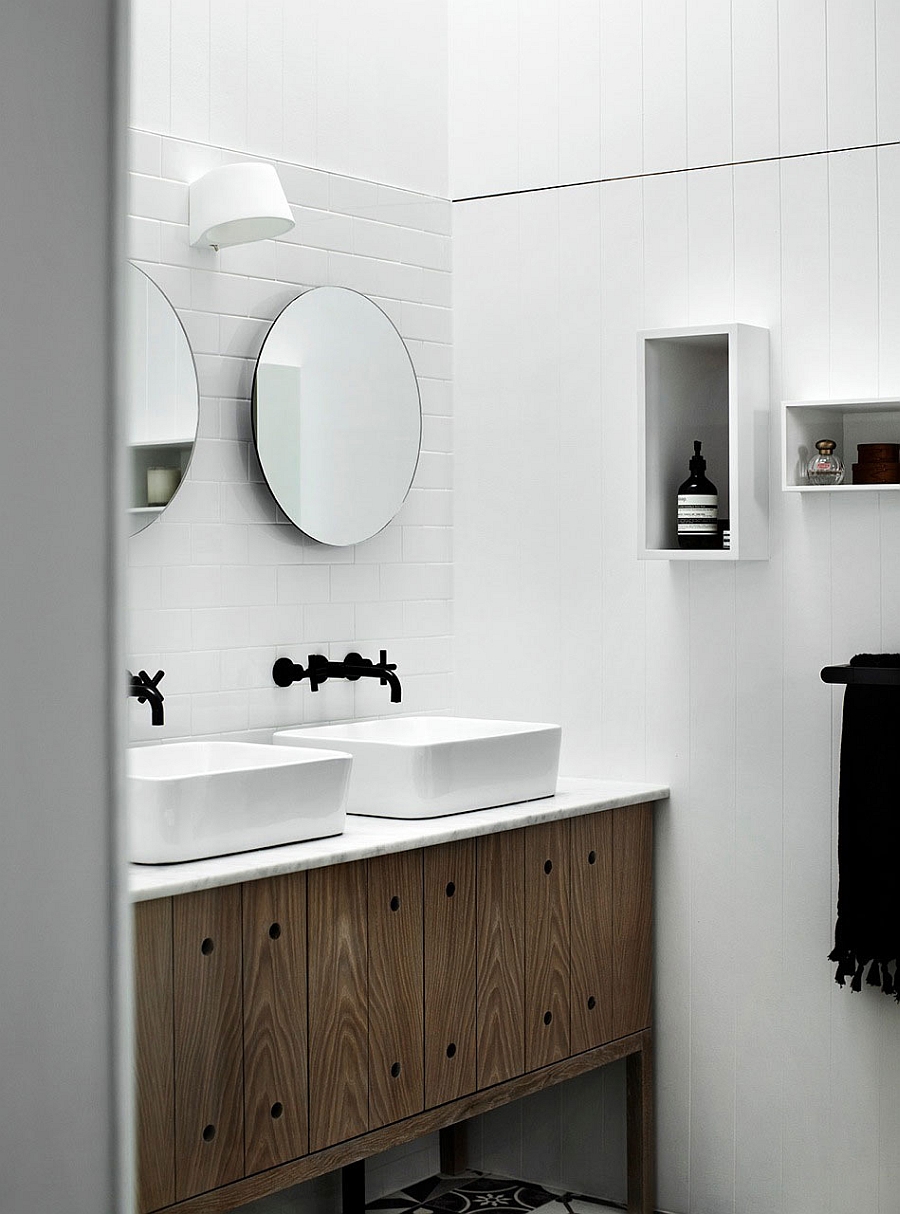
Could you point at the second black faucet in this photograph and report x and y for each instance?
(319, 669)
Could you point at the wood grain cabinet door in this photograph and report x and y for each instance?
(338, 1003)
(591, 931)
(632, 914)
(275, 1090)
(449, 972)
(209, 1099)
(546, 944)
(155, 1078)
(396, 1029)
(500, 956)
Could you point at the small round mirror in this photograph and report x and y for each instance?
(162, 400)
(337, 419)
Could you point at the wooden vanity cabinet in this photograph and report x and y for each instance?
(449, 954)
(547, 949)
(154, 1057)
(500, 944)
(592, 979)
(291, 1025)
(632, 918)
(208, 1040)
(396, 983)
(276, 1114)
(338, 1004)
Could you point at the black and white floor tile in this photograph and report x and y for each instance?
(475, 1192)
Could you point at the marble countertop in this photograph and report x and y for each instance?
(364, 837)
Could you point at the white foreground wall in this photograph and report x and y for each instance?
(62, 1119)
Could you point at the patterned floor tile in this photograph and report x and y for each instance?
(488, 1193)
(474, 1191)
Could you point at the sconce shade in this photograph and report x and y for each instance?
(237, 204)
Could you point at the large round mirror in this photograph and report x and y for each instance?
(336, 415)
(162, 400)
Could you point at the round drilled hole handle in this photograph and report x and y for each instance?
(395, 903)
(209, 1133)
(275, 931)
(276, 1110)
(548, 866)
(206, 947)
(548, 1016)
(451, 1049)
(592, 857)
(451, 889)
(395, 1070)
(592, 1003)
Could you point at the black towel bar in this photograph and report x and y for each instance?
(880, 676)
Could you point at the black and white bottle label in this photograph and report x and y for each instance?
(698, 513)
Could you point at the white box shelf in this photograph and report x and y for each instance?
(709, 383)
(847, 422)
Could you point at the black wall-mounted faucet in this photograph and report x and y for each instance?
(143, 688)
(354, 666)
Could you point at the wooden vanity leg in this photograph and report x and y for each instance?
(353, 1188)
(454, 1141)
(639, 1100)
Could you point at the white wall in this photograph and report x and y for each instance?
(221, 584)
(777, 1091)
(357, 87)
(64, 1124)
(567, 92)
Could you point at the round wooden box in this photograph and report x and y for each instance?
(878, 453)
(876, 473)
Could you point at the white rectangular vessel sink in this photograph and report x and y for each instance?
(425, 767)
(191, 800)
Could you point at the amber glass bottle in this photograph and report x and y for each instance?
(698, 507)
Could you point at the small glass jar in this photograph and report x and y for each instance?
(825, 468)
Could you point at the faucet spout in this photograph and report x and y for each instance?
(354, 666)
(143, 688)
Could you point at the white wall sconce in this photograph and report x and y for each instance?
(237, 204)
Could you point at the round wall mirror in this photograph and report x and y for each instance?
(337, 419)
(162, 400)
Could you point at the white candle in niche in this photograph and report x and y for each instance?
(161, 484)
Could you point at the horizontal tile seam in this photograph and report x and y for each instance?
(310, 168)
(694, 168)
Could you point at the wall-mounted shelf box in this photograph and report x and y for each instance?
(709, 383)
(847, 422)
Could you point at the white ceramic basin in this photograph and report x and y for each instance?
(424, 767)
(189, 800)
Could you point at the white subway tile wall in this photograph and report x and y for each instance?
(221, 584)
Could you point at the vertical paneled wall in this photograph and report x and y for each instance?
(348, 87)
(550, 93)
(777, 1091)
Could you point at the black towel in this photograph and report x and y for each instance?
(867, 931)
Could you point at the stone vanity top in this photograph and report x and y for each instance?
(364, 837)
